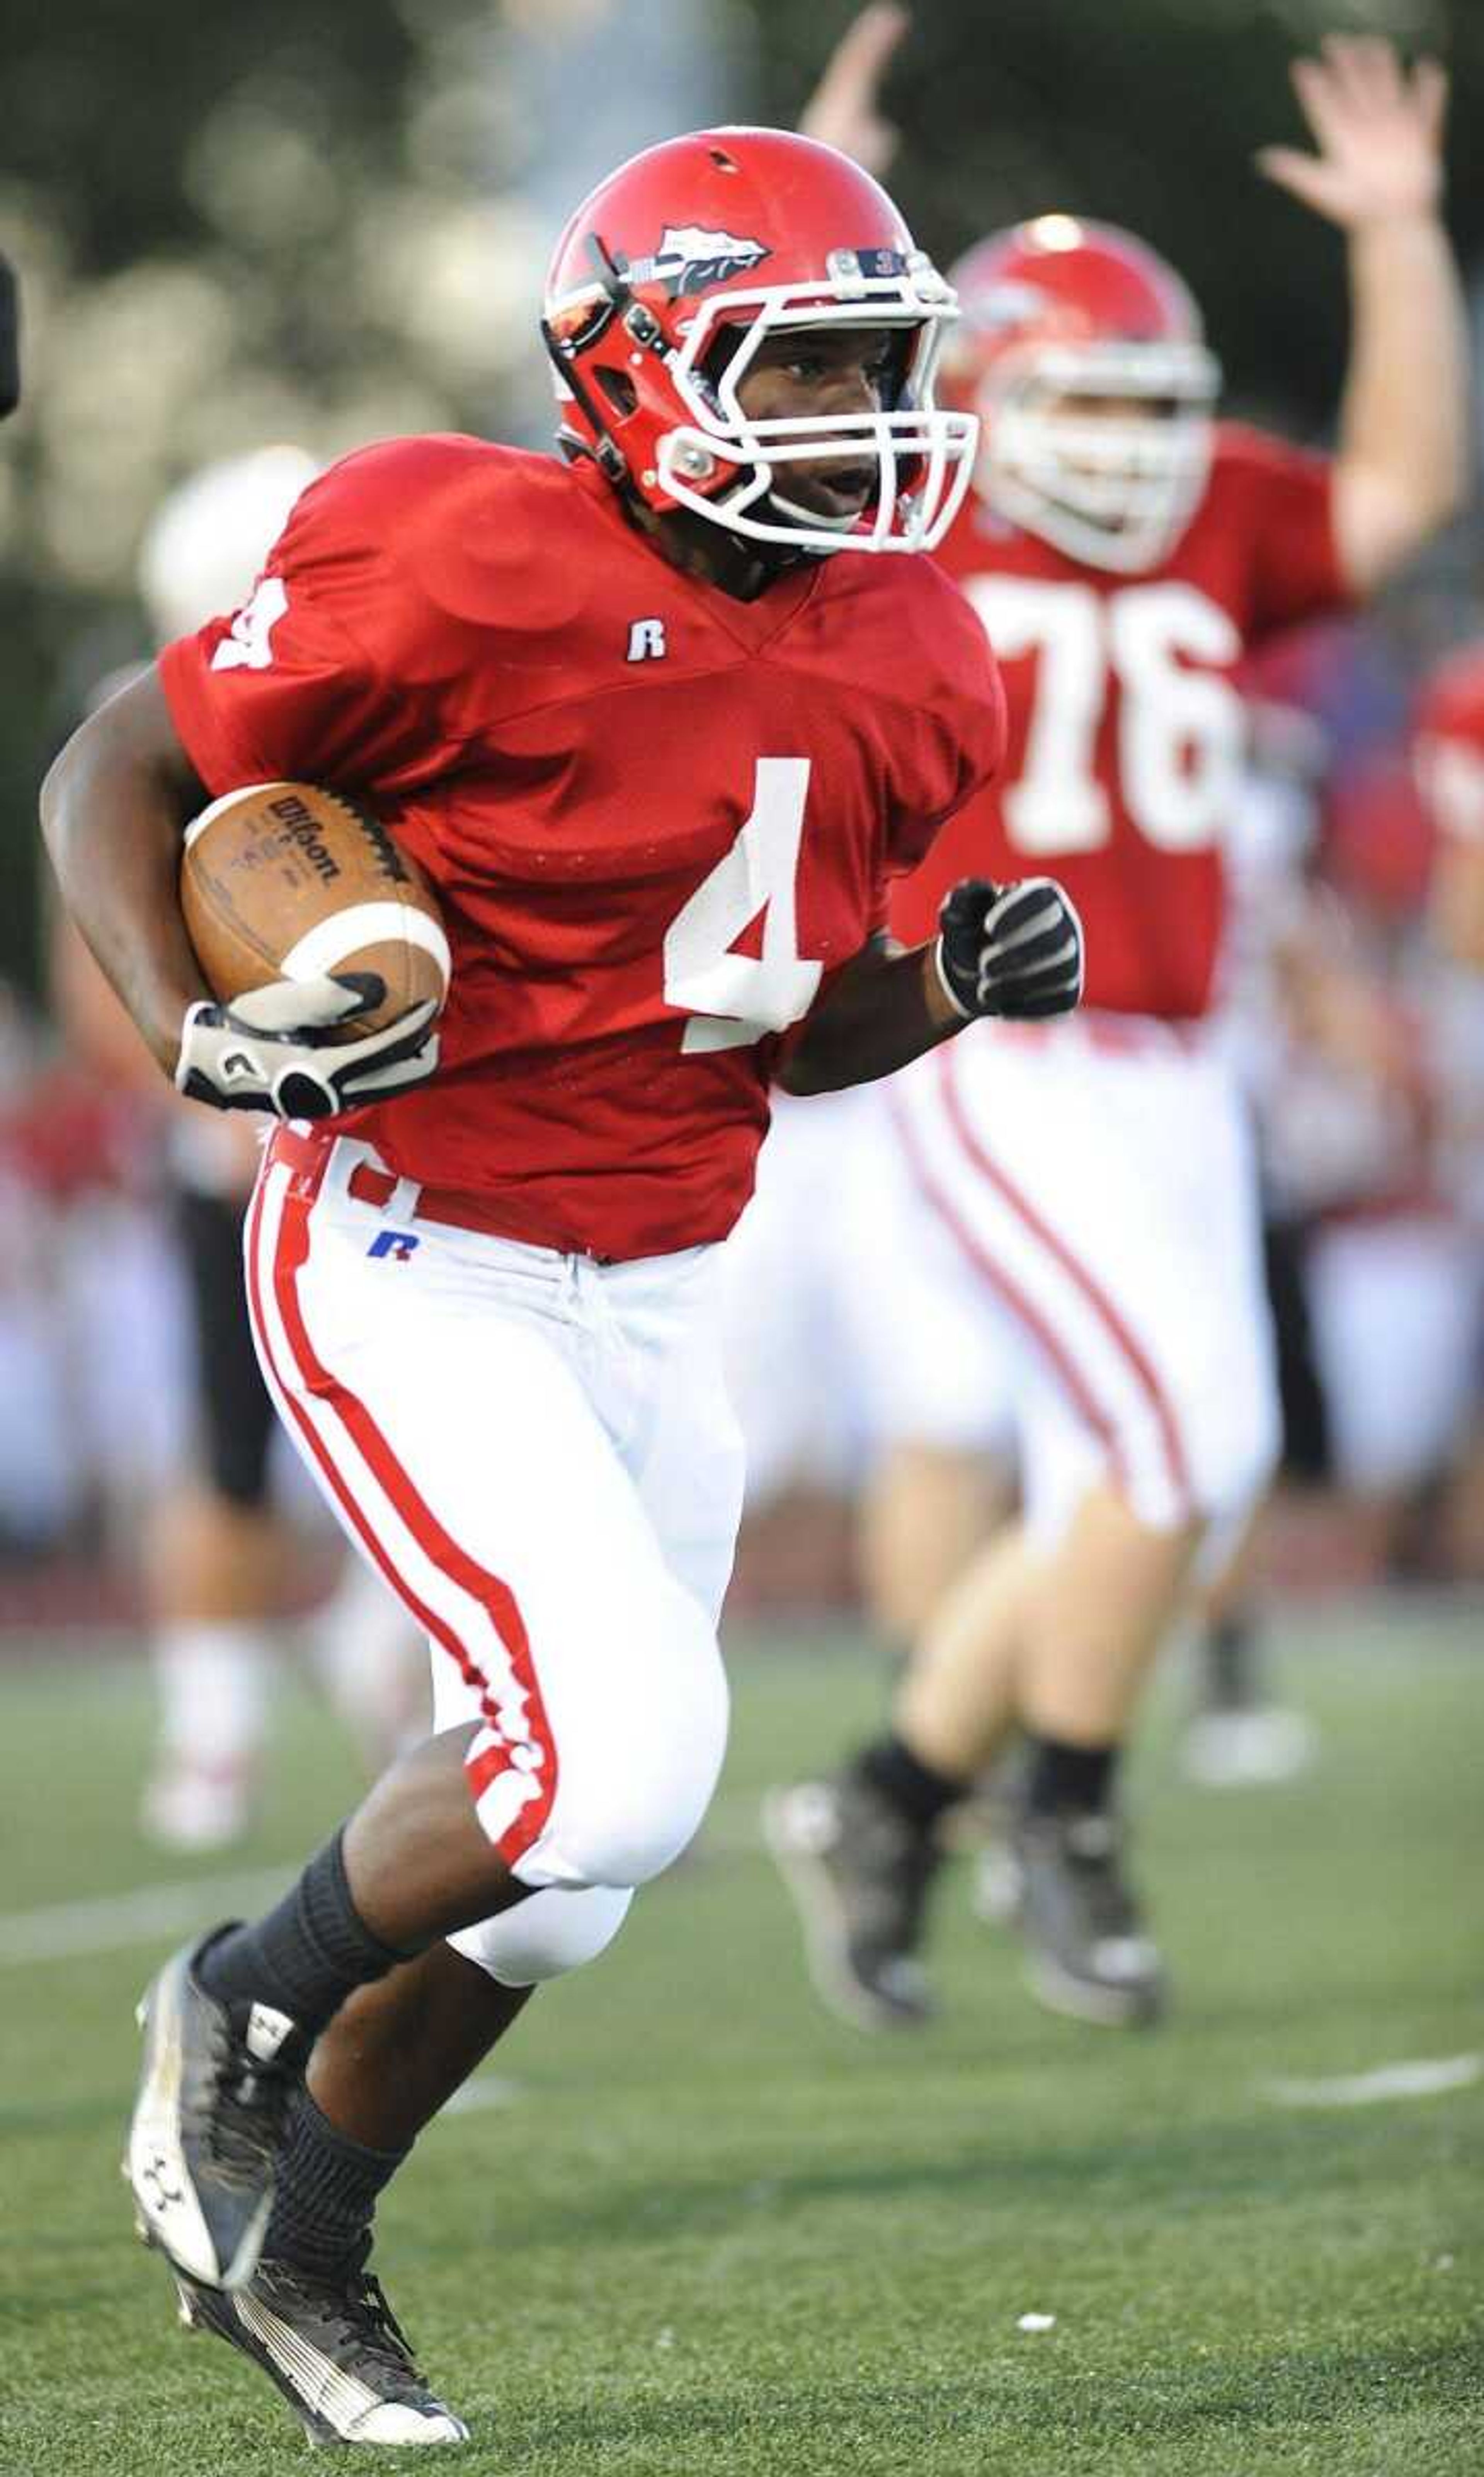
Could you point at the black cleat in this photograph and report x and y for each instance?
(334, 2348)
(1086, 1952)
(207, 2123)
(859, 1872)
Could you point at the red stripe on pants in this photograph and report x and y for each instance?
(1101, 1306)
(1102, 1426)
(495, 1596)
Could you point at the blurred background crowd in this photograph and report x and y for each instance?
(323, 226)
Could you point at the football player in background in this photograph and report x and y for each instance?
(660, 734)
(1450, 764)
(1088, 1190)
(222, 1561)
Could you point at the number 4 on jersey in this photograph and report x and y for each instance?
(250, 645)
(732, 998)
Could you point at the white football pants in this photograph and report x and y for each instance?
(537, 1453)
(793, 1368)
(1096, 1184)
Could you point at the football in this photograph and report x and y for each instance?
(285, 880)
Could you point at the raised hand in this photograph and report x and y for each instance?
(1377, 129)
(844, 109)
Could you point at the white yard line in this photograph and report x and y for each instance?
(113, 1921)
(1425, 2078)
(72, 1930)
(490, 2090)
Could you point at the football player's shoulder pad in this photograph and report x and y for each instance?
(401, 483)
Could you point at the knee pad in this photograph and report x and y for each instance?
(545, 1936)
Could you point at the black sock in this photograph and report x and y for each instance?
(327, 2192)
(916, 1790)
(306, 1955)
(1061, 1776)
(1231, 1680)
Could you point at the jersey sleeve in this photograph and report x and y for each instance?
(950, 742)
(334, 670)
(1286, 509)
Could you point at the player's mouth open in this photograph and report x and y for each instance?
(836, 492)
(848, 488)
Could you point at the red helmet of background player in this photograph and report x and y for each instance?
(663, 288)
(1082, 352)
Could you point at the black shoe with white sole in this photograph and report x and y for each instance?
(1086, 1950)
(213, 2091)
(859, 1872)
(333, 2346)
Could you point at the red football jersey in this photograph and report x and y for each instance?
(1125, 728)
(1449, 747)
(657, 817)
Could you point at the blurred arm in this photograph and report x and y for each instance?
(1402, 465)
(113, 808)
(1456, 902)
(845, 109)
(1451, 781)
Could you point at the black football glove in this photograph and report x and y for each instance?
(1010, 950)
(274, 1049)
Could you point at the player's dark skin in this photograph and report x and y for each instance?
(417, 1860)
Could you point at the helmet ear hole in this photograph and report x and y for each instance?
(620, 390)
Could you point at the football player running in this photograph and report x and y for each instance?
(1084, 1193)
(660, 734)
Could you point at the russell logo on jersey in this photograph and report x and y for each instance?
(647, 640)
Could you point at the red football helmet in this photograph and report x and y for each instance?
(663, 288)
(1060, 314)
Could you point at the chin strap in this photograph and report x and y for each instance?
(778, 558)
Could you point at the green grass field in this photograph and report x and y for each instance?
(704, 2228)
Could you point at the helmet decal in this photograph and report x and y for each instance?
(688, 260)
